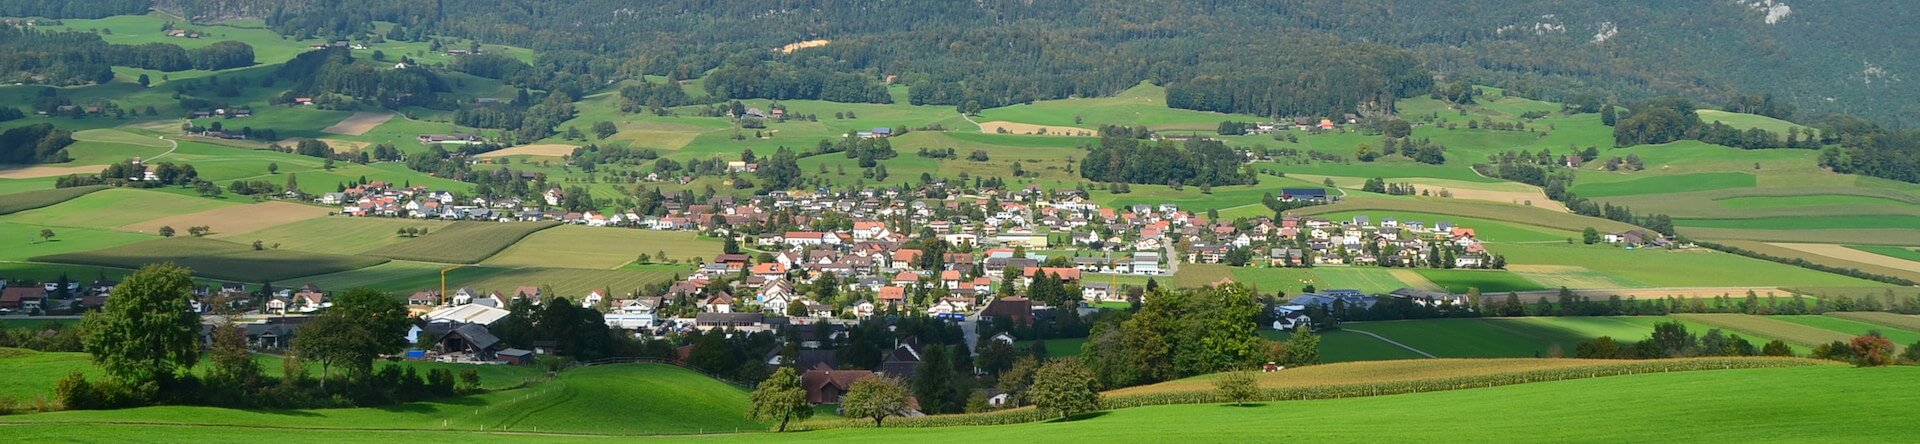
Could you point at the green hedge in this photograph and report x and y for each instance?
(1029, 414)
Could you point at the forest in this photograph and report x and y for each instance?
(63, 58)
(1128, 156)
(37, 143)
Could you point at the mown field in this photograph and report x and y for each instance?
(339, 235)
(677, 401)
(462, 242)
(217, 259)
(1537, 410)
(578, 246)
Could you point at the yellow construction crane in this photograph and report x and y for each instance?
(443, 283)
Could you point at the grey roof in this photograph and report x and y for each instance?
(477, 335)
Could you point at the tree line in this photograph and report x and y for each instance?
(1121, 157)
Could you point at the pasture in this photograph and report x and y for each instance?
(216, 259)
(336, 235)
(463, 242)
(18, 242)
(113, 208)
(235, 220)
(677, 401)
(576, 246)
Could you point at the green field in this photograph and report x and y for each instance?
(113, 208)
(1900, 337)
(578, 246)
(676, 401)
(1804, 201)
(1347, 346)
(463, 242)
(406, 277)
(1801, 333)
(216, 259)
(1540, 411)
(1518, 337)
(23, 241)
(340, 235)
(1458, 281)
(17, 202)
(1806, 223)
(32, 373)
(1663, 184)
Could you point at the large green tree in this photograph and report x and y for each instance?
(875, 397)
(148, 329)
(361, 325)
(780, 397)
(1065, 387)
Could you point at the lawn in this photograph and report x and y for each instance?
(1143, 105)
(650, 399)
(216, 259)
(1058, 348)
(463, 242)
(32, 374)
(577, 246)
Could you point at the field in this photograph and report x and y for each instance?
(337, 235)
(462, 242)
(34, 373)
(1791, 332)
(1892, 257)
(576, 246)
(22, 241)
(1906, 253)
(407, 277)
(1900, 321)
(235, 220)
(358, 123)
(216, 259)
(541, 150)
(1900, 337)
(1517, 337)
(17, 202)
(677, 401)
(113, 208)
(1537, 410)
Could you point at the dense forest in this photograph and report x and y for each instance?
(37, 143)
(319, 73)
(1128, 155)
(75, 58)
(1821, 57)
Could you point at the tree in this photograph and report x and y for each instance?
(604, 129)
(1065, 387)
(1303, 348)
(1237, 387)
(875, 397)
(145, 81)
(273, 168)
(780, 397)
(361, 325)
(933, 383)
(148, 329)
(1871, 350)
(46, 234)
(166, 231)
(1590, 236)
(233, 363)
(1018, 378)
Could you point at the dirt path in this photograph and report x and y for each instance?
(1390, 341)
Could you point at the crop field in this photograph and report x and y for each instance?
(576, 246)
(574, 282)
(1806, 222)
(1662, 268)
(1459, 280)
(541, 150)
(1791, 332)
(1899, 321)
(1346, 346)
(1517, 337)
(1900, 337)
(462, 242)
(678, 402)
(1662, 184)
(1906, 253)
(1459, 209)
(1375, 372)
(216, 259)
(1746, 202)
(1851, 236)
(1868, 260)
(1746, 121)
(237, 219)
(113, 208)
(23, 201)
(336, 235)
(357, 124)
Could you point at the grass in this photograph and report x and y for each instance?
(339, 235)
(1516, 337)
(1745, 202)
(407, 277)
(1807, 222)
(216, 259)
(22, 241)
(463, 242)
(1057, 348)
(1664, 184)
(1899, 321)
(1375, 373)
(575, 246)
(1347, 346)
(32, 374)
(1664, 268)
(1790, 332)
(113, 208)
(1458, 281)
(1144, 104)
(1540, 411)
(1900, 337)
(676, 401)
(17, 202)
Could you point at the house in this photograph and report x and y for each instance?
(470, 341)
(1016, 309)
(825, 386)
(1287, 320)
(467, 314)
(1303, 194)
(22, 298)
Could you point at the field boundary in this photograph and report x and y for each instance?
(1390, 341)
